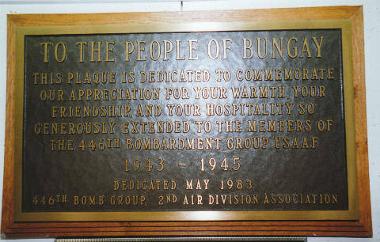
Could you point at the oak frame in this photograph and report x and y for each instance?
(359, 227)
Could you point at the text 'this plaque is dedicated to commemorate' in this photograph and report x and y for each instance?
(196, 124)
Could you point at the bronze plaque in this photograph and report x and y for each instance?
(160, 123)
(248, 121)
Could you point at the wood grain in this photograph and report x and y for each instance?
(361, 227)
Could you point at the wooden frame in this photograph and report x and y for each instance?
(350, 16)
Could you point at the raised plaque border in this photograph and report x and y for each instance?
(357, 222)
(350, 214)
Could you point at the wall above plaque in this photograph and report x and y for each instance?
(235, 123)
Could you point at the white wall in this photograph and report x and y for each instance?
(372, 60)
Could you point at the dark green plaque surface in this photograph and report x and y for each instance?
(254, 129)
